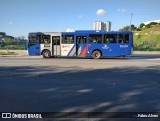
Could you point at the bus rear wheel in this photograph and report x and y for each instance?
(96, 54)
(46, 54)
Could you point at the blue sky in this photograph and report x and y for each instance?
(19, 17)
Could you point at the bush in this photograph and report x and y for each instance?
(147, 45)
(148, 42)
(13, 46)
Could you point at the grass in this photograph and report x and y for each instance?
(152, 38)
(152, 29)
(148, 39)
(8, 53)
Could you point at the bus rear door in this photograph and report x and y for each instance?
(81, 45)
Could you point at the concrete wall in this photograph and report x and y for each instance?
(19, 52)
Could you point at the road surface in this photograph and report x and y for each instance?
(34, 84)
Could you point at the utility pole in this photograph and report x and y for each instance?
(131, 20)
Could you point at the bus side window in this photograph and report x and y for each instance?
(106, 39)
(123, 38)
(46, 39)
(110, 38)
(113, 38)
(127, 38)
(81, 39)
(95, 38)
(32, 39)
(68, 39)
(37, 39)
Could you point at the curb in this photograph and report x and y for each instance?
(146, 52)
(13, 55)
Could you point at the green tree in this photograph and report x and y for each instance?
(125, 28)
(153, 23)
(141, 25)
(147, 26)
(138, 29)
(133, 28)
(22, 37)
(7, 42)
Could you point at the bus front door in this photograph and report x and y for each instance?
(81, 45)
(55, 45)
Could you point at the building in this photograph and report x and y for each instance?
(98, 25)
(148, 22)
(108, 26)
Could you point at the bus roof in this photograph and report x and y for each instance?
(98, 32)
(85, 32)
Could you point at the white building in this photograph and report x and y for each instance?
(108, 26)
(147, 22)
(98, 25)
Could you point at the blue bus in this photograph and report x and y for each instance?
(92, 43)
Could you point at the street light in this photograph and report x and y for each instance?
(131, 20)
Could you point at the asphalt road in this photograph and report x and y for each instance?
(34, 84)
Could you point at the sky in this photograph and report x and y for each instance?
(19, 17)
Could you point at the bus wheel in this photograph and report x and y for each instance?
(96, 54)
(46, 54)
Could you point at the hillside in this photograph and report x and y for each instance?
(153, 30)
(147, 39)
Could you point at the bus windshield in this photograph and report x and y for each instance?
(33, 39)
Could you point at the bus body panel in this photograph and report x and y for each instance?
(68, 49)
(82, 49)
(110, 50)
(34, 49)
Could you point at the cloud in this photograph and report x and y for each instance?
(101, 12)
(70, 30)
(80, 16)
(121, 10)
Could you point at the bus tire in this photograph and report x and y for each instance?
(96, 54)
(46, 54)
